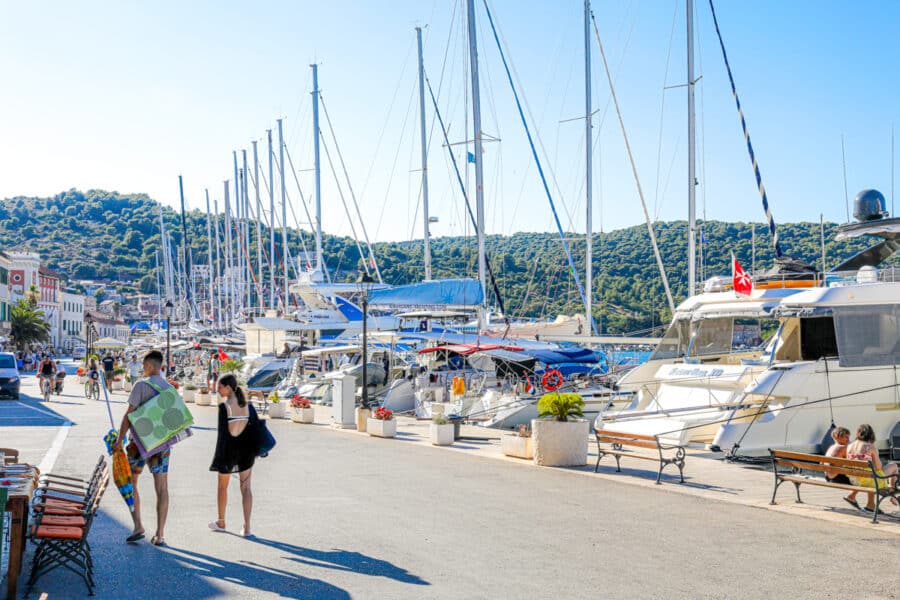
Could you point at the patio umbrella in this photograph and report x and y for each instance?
(120, 467)
(109, 343)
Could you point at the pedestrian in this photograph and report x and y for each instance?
(236, 448)
(159, 463)
(135, 369)
(109, 367)
(863, 448)
(212, 372)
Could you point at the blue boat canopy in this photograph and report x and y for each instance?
(564, 355)
(442, 292)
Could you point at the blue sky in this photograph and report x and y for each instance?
(127, 95)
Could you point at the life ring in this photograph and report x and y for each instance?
(552, 380)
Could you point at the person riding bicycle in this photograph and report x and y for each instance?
(47, 371)
(60, 377)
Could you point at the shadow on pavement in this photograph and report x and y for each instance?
(30, 412)
(141, 570)
(343, 560)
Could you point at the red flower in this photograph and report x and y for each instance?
(299, 402)
(383, 414)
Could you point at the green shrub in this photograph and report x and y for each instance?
(231, 365)
(560, 406)
(440, 420)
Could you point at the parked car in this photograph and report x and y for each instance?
(79, 352)
(9, 376)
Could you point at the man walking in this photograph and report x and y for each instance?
(109, 367)
(158, 463)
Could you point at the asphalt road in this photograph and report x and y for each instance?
(341, 515)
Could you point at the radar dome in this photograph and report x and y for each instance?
(869, 206)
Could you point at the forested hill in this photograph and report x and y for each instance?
(106, 235)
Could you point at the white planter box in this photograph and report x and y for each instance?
(128, 386)
(560, 443)
(362, 416)
(379, 428)
(441, 435)
(82, 380)
(188, 395)
(118, 385)
(515, 445)
(276, 410)
(304, 415)
(201, 399)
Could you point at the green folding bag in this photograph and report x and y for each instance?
(160, 418)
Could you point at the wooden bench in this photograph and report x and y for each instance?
(797, 462)
(619, 443)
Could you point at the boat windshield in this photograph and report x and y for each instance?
(868, 335)
(712, 336)
(675, 342)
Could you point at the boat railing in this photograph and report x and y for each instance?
(890, 274)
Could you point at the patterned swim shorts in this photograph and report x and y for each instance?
(159, 463)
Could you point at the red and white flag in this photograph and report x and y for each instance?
(741, 282)
(222, 355)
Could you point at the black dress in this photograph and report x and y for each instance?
(235, 453)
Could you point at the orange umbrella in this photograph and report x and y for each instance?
(121, 469)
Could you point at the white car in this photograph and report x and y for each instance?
(79, 352)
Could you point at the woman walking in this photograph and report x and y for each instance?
(236, 449)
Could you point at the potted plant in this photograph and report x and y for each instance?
(82, 375)
(441, 431)
(303, 410)
(518, 444)
(189, 390)
(203, 397)
(118, 382)
(128, 383)
(560, 434)
(382, 423)
(277, 409)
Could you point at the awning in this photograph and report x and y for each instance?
(109, 343)
(443, 292)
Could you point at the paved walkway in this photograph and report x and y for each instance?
(343, 515)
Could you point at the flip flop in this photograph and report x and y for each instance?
(214, 525)
(134, 537)
(852, 503)
(157, 541)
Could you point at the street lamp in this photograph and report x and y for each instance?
(89, 320)
(169, 307)
(364, 285)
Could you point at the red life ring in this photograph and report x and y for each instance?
(552, 380)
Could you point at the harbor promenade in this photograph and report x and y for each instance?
(338, 514)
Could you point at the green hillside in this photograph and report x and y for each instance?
(106, 235)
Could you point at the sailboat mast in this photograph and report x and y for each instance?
(229, 272)
(259, 263)
(692, 179)
(425, 217)
(271, 224)
(588, 183)
(158, 290)
(218, 285)
(238, 258)
(209, 256)
(318, 170)
(245, 189)
(284, 241)
(479, 169)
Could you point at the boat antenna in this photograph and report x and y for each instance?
(844, 165)
(759, 183)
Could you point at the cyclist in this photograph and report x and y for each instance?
(47, 371)
(60, 377)
(93, 376)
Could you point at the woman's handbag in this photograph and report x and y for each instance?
(266, 440)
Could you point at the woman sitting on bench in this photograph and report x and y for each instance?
(864, 449)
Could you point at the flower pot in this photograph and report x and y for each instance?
(379, 428)
(118, 384)
(441, 435)
(201, 399)
(276, 410)
(188, 395)
(304, 415)
(517, 446)
(362, 416)
(128, 386)
(560, 443)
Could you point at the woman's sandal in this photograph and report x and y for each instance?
(214, 525)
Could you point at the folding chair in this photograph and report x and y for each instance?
(62, 539)
(53, 489)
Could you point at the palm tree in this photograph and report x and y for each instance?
(27, 325)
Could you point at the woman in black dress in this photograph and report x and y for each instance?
(236, 448)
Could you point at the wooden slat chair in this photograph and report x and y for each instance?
(797, 462)
(65, 484)
(10, 455)
(62, 540)
(48, 497)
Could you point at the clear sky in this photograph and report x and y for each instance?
(126, 95)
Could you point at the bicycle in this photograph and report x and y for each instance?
(92, 390)
(46, 386)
